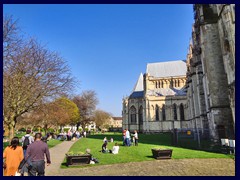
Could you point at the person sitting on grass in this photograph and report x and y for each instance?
(111, 140)
(115, 149)
(105, 140)
(93, 160)
(104, 147)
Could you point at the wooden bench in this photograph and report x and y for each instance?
(162, 153)
(78, 159)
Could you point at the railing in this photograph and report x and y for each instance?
(199, 138)
(228, 146)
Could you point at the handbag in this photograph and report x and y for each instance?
(4, 165)
(25, 163)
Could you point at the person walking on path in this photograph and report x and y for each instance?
(36, 152)
(26, 140)
(13, 155)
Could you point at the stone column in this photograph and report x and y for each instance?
(219, 110)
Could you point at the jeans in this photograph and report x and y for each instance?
(136, 142)
(127, 142)
(38, 168)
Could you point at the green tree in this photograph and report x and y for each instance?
(102, 119)
(67, 106)
(60, 112)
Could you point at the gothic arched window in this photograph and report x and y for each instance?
(133, 112)
(163, 113)
(140, 115)
(181, 109)
(174, 111)
(157, 112)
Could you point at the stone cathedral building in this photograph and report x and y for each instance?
(158, 101)
(196, 94)
(211, 71)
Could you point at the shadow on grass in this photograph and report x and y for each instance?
(151, 157)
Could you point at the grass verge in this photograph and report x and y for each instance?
(142, 152)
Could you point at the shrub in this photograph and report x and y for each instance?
(66, 129)
(51, 130)
(22, 129)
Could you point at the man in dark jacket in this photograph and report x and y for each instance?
(36, 152)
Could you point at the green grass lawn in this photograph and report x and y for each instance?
(142, 152)
(53, 142)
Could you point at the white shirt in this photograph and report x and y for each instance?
(136, 135)
(31, 139)
(115, 149)
(127, 134)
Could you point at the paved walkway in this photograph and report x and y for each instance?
(172, 167)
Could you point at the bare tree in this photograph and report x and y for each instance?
(11, 39)
(32, 74)
(86, 103)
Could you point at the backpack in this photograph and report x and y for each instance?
(26, 142)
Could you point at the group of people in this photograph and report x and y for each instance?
(114, 150)
(71, 135)
(127, 138)
(30, 156)
(126, 142)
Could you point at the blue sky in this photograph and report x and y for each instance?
(108, 46)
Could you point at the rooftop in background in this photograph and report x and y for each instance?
(139, 84)
(117, 118)
(167, 69)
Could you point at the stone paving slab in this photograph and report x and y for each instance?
(168, 167)
(57, 154)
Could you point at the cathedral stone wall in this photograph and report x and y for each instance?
(211, 74)
(204, 96)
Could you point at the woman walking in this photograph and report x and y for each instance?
(13, 155)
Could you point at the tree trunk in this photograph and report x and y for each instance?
(78, 124)
(45, 129)
(11, 131)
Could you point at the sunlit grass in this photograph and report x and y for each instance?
(142, 152)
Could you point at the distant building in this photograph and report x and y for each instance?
(89, 127)
(158, 101)
(116, 122)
